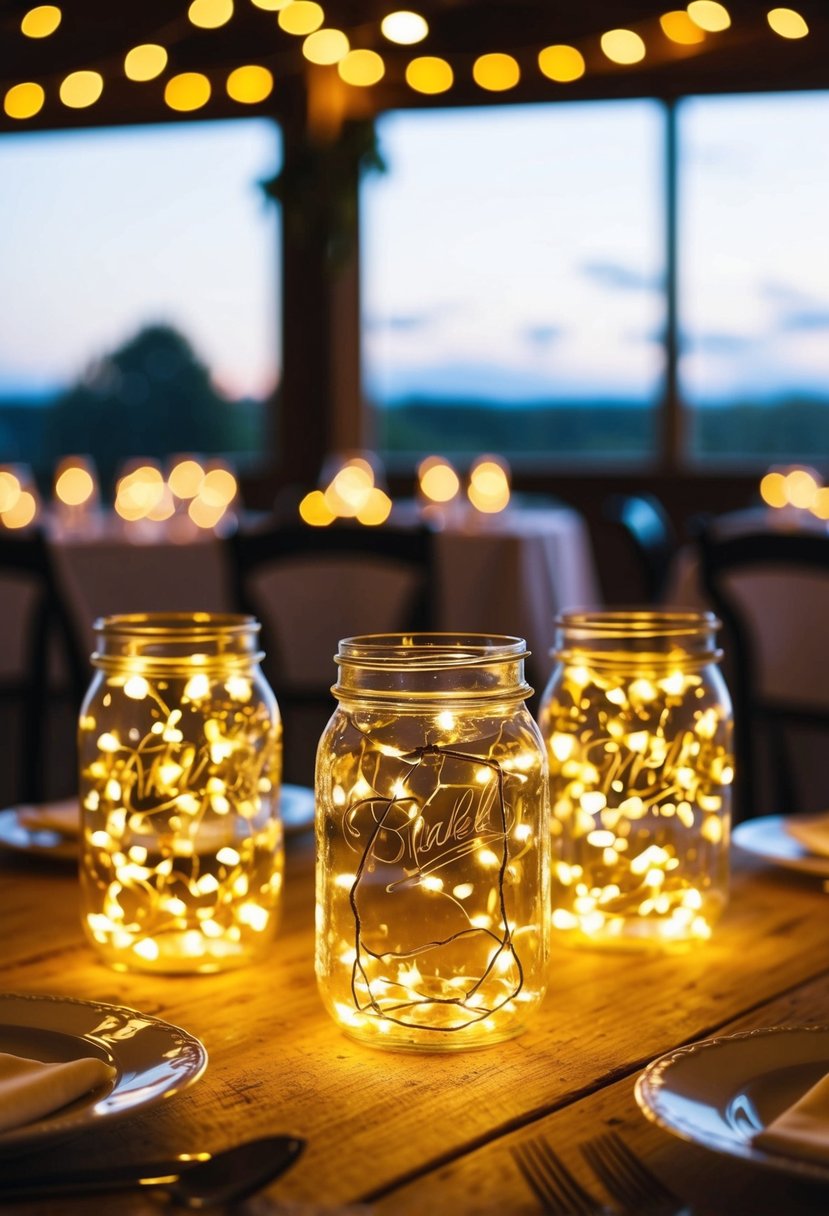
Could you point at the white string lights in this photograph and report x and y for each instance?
(365, 55)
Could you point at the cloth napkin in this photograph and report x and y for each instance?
(30, 1089)
(812, 833)
(803, 1129)
(63, 818)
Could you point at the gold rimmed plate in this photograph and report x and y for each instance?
(152, 1059)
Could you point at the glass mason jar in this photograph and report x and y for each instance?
(180, 747)
(432, 843)
(637, 722)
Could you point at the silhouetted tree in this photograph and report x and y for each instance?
(151, 397)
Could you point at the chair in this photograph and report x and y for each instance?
(771, 591)
(309, 587)
(647, 525)
(50, 664)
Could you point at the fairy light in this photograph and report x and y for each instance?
(24, 100)
(249, 84)
(496, 72)
(640, 774)
(180, 769)
(187, 91)
(623, 46)
(709, 15)
(301, 17)
(325, 47)
(787, 23)
(210, 14)
(361, 68)
(429, 74)
(145, 62)
(41, 21)
(81, 89)
(404, 27)
(561, 63)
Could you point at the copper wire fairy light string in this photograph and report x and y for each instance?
(414, 759)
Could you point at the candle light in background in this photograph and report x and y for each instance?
(351, 492)
(76, 494)
(438, 488)
(637, 721)
(180, 745)
(794, 492)
(19, 501)
(432, 844)
(489, 485)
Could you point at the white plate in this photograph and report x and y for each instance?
(767, 837)
(152, 1059)
(720, 1092)
(296, 802)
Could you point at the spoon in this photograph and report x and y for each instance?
(225, 1177)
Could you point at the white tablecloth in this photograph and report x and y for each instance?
(503, 574)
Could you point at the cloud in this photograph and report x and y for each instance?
(541, 336)
(402, 322)
(717, 342)
(619, 277)
(801, 320)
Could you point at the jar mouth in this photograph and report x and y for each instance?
(627, 622)
(412, 668)
(424, 651)
(163, 641)
(152, 625)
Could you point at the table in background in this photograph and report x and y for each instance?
(508, 573)
(410, 1133)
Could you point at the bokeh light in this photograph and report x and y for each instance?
(404, 27)
(41, 21)
(145, 62)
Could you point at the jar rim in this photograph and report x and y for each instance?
(153, 625)
(639, 622)
(429, 650)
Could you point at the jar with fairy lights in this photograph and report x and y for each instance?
(180, 749)
(432, 835)
(637, 723)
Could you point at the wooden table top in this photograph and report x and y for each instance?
(410, 1133)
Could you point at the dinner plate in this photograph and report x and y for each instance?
(720, 1092)
(152, 1059)
(767, 837)
(296, 802)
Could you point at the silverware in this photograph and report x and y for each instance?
(225, 1177)
(549, 1179)
(628, 1179)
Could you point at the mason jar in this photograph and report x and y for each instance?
(432, 839)
(637, 723)
(180, 748)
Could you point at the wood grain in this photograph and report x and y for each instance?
(414, 1133)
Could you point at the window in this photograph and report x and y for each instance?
(139, 310)
(754, 276)
(515, 289)
(513, 275)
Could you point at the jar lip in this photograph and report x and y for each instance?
(639, 622)
(155, 625)
(429, 650)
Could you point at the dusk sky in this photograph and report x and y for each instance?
(513, 251)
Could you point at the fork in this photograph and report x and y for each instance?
(549, 1179)
(627, 1179)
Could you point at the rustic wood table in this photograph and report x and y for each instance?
(432, 1134)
